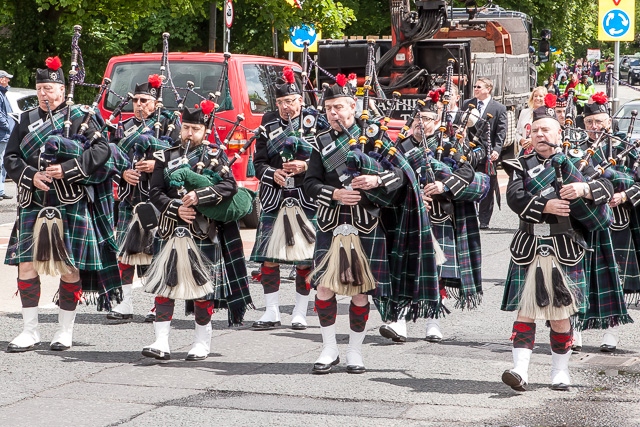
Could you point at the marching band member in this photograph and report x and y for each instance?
(135, 139)
(286, 234)
(200, 260)
(350, 254)
(612, 263)
(546, 278)
(58, 230)
(453, 215)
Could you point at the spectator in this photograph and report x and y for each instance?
(584, 90)
(523, 128)
(552, 85)
(6, 126)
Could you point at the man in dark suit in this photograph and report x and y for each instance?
(497, 133)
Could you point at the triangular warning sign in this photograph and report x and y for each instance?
(616, 2)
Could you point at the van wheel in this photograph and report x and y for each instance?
(252, 219)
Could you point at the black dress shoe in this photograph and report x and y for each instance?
(6, 197)
(388, 332)
(514, 380)
(606, 348)
(114, 315)
(265, 326)
(150, 318)
(56, 346)
(433, 338)
(324, 368)
(194, 358)
(484, 226)
(155, 353)
(356, 369)
(298, 326)
(560, 387)
(12, 348)
(576, 348)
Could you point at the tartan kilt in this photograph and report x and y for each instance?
(125, 214)
(632, 288)
(238, 298)
(263, 235)
(374, 245)
(445, 235)
(80, 236)
(466, 288)
(606, 307)
(627, 260)
(517, 275)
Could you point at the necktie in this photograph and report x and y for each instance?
(481, 107)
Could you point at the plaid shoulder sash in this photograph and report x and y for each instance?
(334, 150)
(36, 138)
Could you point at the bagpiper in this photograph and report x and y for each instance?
(350, 253)
(57, 157)
(453, 187)
(136, 217)
(613, 262)
(200, 260)
(547, 278)
(286, 234)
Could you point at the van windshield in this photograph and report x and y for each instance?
(204, 75)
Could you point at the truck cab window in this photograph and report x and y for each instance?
(260, 98)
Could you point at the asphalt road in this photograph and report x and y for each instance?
(263, 378)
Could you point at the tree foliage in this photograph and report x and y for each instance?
(31, 30)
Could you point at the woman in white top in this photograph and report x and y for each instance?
(523, 129)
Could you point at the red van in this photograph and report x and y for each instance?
(251, 79)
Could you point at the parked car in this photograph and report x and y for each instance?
(630, 69)
(623, 118)
(252, 81)
(21, 100)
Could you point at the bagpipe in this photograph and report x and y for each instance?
(56, 144)
(620, 158)
(229, 209)
(572, 136)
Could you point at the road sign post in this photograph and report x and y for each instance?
(228, 22)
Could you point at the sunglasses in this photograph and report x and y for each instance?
(141, 100)
(477, 87)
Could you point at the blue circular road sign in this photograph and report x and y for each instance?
(616, 23)
(302, 33)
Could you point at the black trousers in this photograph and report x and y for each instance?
(485, 208)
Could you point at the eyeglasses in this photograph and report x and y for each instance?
(591, 122)
(287, 102)
(140, 100)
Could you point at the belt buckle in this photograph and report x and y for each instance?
(542, 230)
(289, 182)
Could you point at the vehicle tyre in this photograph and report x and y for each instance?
(252, 219)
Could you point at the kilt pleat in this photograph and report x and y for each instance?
(263, 235)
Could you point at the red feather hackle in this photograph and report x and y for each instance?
(287, 74)
(53, 63)
(600, 98)
(352, 76)
(434, 95)
(341, 80)
(550, 100)
(155, 81)
(207, 106)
